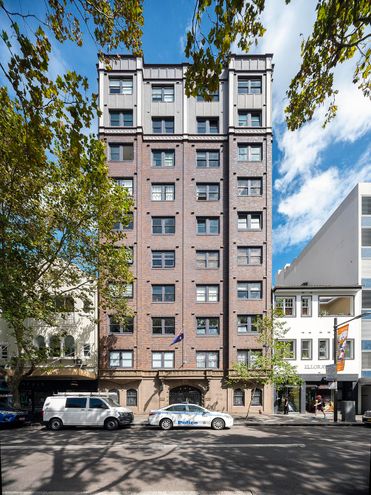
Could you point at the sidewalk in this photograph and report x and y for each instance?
(292, 419)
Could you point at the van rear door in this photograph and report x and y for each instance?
(75, 411)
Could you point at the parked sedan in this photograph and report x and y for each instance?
(12, 417)
(189, 415)
(366, 417)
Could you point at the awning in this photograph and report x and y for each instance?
(66, 373)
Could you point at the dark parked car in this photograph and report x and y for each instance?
(9, 416)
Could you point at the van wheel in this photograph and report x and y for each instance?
(55, 424)
(111, 424)
(166, 424)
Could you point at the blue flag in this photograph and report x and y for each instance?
(178, 338)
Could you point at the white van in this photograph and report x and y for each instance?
(84, 409)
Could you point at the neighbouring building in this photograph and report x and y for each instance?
(200, 175)
(309, 313)
(72, 347)
(339, 255)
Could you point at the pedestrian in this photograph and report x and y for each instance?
(286, 406)
(319, 406)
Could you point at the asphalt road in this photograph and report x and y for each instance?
(244, 460)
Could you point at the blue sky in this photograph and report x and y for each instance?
(313, 168)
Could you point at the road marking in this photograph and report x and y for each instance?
(154, 446)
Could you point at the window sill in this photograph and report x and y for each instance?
(163, 302)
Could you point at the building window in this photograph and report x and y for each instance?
(121, 152)
(120, 86)
(40, 342)
(163, 259)
(163, 326)
(366, 299)
(286, 305)
(131, 397)
(207, 326)
(238, 397)
(163, 93)
(249, 255)
(249, 85)
(207, 125)
(349, 349)
(121, 118)
(257, 398)
(64, 304)
(163, 225)
(127, 225)
(126, 184)
(208, 159)
(366, 205)
(69, 346)
(121, 359)
(207, 259)
(163, 192)
(162, 360)
(86, 350)
(208, 225)
(250, 221)
(125, 327)
(247, 324)
(250, 187)
(247, 118)
(4, 351)
(119, 290)
(163, 158)
(55, 346)
(163, 125)
(163, 293)
(207, 359)
(249, 290)
(248, 356)
(306, 349)
(207, 192)
(207, 293)
(250, 152)
(210, 97)
(289, 349)
(323, 349)
(306, 306)
(335, 305)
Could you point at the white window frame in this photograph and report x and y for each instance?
(162, 192)
(122, 358)
(207, 293)
(167, 158)
(249, 221)
(124, 87)
(163, 359)
(248, 152)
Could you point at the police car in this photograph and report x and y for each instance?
(189, 415)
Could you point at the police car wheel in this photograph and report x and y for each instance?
(218, 424)
(166, 424)
(55, 424)
(111, 424)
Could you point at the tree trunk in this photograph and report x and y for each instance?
(249, 406)
(14, 383)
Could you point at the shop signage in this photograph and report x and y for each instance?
(314, 366)
(330, 372)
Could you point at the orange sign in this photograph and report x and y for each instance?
(342, 335)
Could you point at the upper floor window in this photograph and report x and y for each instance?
(207, 259)
(306, 349)
(64, 304)
(120, 86)
(163, 225)
(349, 349)
(163, 259)
(306, 306)
(163, 192)
(250, 152)
(335, 305)
(128, 224)
(121, 118)
(250, 221)
(207, 326)
(163, 93)
(207, 293)
(250, 187)
(288, 350)
(249, 85)
(163, 293)
(163, 326)
(121, 152)
(207, 359)
(211, 97)
(208, 159)
(207, 125)
(249, 290)
(324, 349)
(163, 125)
(40, 342)
(286, 304)
(366, 205)
(208, 225)
(248, 356)
(124, 327)
(207, 192)
(55, 346)
(162, 359)
(125, 183)
(69, 346)
(249, 118)
(249, 255)
(163, 158)
(247, 324)
(86, 350)
(119, 290)
(121, 359)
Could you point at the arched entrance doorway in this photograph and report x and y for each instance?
(185, 393)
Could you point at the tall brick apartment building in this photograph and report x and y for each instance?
(200, 175)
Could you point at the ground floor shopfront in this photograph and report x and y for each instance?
(143, 391)
(302, 398)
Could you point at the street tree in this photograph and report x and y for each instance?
(268, 366)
